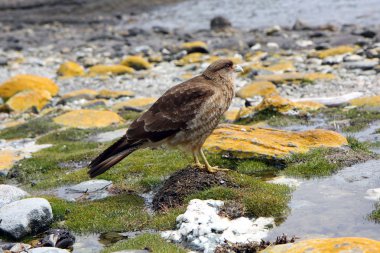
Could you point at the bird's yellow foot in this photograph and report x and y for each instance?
(198, 166)
(215, 169)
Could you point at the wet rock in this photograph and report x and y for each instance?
(202, 229)
(24, 217)
(70, 69)
(338, 245)
(109, 70)
(258, 88)
(9, 194)
(28, 99)
(195, 47)
(88, 119)
(220, 24)
(58, 238)
(27, 82)
(334, 51)
(48, 250)
(372, 101)
(111, 94)
(237, 141)
(135, 104)
(184, 183)
(363, 65)
(136, 62)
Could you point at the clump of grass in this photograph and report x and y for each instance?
(30, 129)
(375, 215)
(274, 119)
(152, 242)
(356, 145)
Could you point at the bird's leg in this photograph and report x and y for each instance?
(209, 168)
(197, 164)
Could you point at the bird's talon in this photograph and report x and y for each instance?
(215, 169)
(198, 166)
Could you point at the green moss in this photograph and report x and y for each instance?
(30, 129)
(129, 115)
(375, 215)
(356, 145)
(153, 242)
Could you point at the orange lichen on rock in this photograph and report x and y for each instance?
(136, 62)
(110, 70)
(248, 142)
(70, 69)
(288, 77)
(257, 88)
(7, 159)
(88, 119)
(27, 99)
(334, 51)
(108, 94)
(372, 101)
(140, 103)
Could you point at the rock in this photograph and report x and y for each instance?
(88, 119)
(19, 247)
(368, 34)
(372, 101)
(304, 43)
(25, 217)
(87, 94)
(70, 69)
(58, 238)
(109, 70)
(7, 159)
(373, 194)
(231, 115)
(353, 58)
(28, 99)
(111, 94)
(274, 30)
(220, 24)
(248, 142)
(161, 30)
(202, 229)
(363, 65)
(301, 26)
(273, 45)
(136, 62)
(95, 103)
(9, 194)
(333, 101)
(195, 47)
(291, 182)
(27, 82)
(108, 136)
(333, 60)
(307, 77)
(334, 51)
(192, 58)
(257, 88)
(336, 245)
(90, 186)
(132, 251)
(48, 250)
(138, 104)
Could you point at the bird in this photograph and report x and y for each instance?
(183, 117)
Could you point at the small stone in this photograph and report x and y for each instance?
(87, 94)
(110, 70)
(220, 23)
(304, 43)
(28, 99)
(136, 62)
(27, 82)
(88, 119)
(273, 45)
(9, 194)
(24, 217)
(161, 30)
(353, 58)
(70, 69)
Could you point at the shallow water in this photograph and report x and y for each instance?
(248, 14)
(334, 206)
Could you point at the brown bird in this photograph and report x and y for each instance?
(183, 117)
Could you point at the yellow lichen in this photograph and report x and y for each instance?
(192, 58)
(70, 69)
(27, 82)
(334, 51)
(7, 159)
(193, 45)
(136, 62)
(108, 94)
(27, 99)
(248, 142)
(257, 88)
(372, 101)
(88, 119)
(134, 103)
(109, 70)
(288, 77)
(80, 94)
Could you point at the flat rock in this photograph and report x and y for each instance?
(70, 69)
(27, 82)
(371, 101)
(28, 99)
(109, 70)
(48, 250)
(336, 245)
(108, 136)
(24, 217)
(90, 186)
(363, 65)
(258, 88)
(287, 77)
(9, 194)
(134, 103)
(248, 142)
(112, 94)
(88, 119)
(87, 94)
(334, 51)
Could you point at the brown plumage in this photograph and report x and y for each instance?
(183, 117)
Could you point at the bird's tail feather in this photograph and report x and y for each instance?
(112, 155)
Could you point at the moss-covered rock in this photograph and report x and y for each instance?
(372, 101)
(88, 119)
(257, 88)
(136, 62)
(28, 99)
(247, 142)
(109, 70)
(70, 69)
(336, 245)
(27, 82)
(334, 51)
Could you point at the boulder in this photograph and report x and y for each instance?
(28, 99)
(10, 193)
(110, 70)
(70, 69)
(257, 88)
(372, 101)
(336, 245)
(88, 119)
(27, 82)
(236, 141)
(136, 62)
(134, 104)
(334, 51)
(25, 217)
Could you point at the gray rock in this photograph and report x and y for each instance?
(363, 65)
(90, 186)
(48, 250)
(108, 136)
(23, 217)
(9, 193)
(220, 23)
(19, 247)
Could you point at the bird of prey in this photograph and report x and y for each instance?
(183, 117)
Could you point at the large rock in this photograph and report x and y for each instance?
(335, 245)
(28, 99)
(24, 217)
(88, 119)
(27, 82)
(257, 88)
(247, 142)
(9, 194)
(70, 69)
(372, 101)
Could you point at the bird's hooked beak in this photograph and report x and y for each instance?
(238, 68)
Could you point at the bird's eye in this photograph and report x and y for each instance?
(228, 65)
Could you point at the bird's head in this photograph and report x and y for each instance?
(222, 69)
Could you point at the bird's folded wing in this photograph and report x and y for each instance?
(172, 112)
